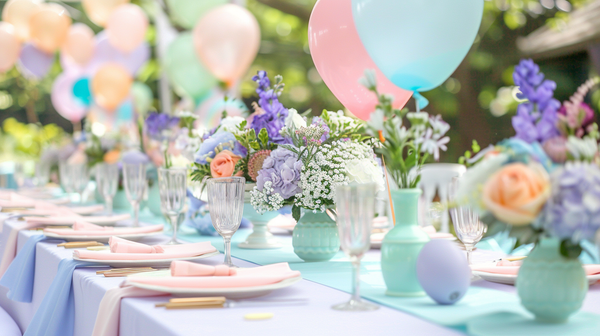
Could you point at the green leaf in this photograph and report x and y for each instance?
(254, 145)
(296, 212)
(263, 136)
(570, 250)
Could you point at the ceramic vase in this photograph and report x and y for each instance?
(551, 286)
(153, 201)
(315, 237)
(120, 201)
(260, 238)
(402, 244)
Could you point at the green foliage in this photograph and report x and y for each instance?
(296, 212)
(570, 250)
(466, 159)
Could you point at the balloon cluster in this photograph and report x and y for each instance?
(98, 70)
(413, 46)
(221, 47)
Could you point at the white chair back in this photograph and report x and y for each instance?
(436, 177)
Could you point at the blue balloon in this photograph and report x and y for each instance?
(125, 112)
(81, 91)
(417, 44)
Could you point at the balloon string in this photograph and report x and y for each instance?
(387, 181)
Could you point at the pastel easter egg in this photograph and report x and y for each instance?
(443, 271)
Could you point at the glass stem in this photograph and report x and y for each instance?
(356, 279)
(81, 197)
(109, 205)
(174, 223)
(469, 250)
(136, 213)
(227, 251)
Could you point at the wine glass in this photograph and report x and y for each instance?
(79, 176)
(226, 206)
(469, 229)
(355, 212)
(134, 179)
(19, 174)
(65, 181)
(107, 178)
(172, 184)
(42, 173)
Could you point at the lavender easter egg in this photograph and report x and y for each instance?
(443, 271)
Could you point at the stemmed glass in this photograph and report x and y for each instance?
(469, 229)
(355, 211)
(65, 180)
(79, 176)
(172, 184)
(107, 178)
(134, 179)
(226, 206)
(42, 173)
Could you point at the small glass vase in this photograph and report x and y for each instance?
(315, 237)
(549, 285)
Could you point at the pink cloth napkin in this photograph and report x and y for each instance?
(512, 267)
(97, 232)
(245, 277)
(72, 217)
(85, 226)
(186, 268)
(170, 252)
(109, 312)
(120, 245)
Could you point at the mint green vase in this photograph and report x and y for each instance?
(402, 244)
(315, 237)
(551, 286)
(153, 201)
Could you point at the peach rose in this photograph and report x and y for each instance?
(112, 156)
(516, 193)
(223, 164)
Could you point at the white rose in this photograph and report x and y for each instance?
(230, 124)
(294, 121)
(365, 171)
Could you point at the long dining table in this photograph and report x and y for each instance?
(311, 313)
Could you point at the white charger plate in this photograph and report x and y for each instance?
(143, 263)
(510, 279)
(105, 238)
(230, 293)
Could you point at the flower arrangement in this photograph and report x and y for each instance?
(404, 148)
(162, 129)
(546, 180)
(328, 152)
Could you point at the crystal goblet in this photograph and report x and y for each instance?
(172, 185)
(134, 179)
(467, 226)
(107, 179)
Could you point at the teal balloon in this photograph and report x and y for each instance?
(81, 91)
(187, 74)
(187, 12)
(142, 97)
(125, 112)
(417, 44)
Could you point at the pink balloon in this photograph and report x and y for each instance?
(79, 44)
(341, 59)
(10, 46)
(63, 99)
(126, 27)
(227, 40)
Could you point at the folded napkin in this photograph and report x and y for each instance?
(85, 226)
(83, 210)
(103, 232)
(109, 312)
(186, 268)
(170, 251)
(56, 314)
(120, 245)
(245, 277)
(19, 276)
(73, 217)
(512, 267)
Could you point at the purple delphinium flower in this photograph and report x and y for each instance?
(319, 122)
(158, 125)
(218, 142)
(573, 210)
(273, 113)
(537, 119)
(283, 169)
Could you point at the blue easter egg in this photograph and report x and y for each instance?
(443, 271)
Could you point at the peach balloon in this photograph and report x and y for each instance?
(227, 40)
(10, 46)
(17, 13)
(99, 10)
(79, 44)
(49, 26)
(126, 27)
(110, 86)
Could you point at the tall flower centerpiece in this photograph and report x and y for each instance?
(304, 173)
(404, 149)
(543, 185)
